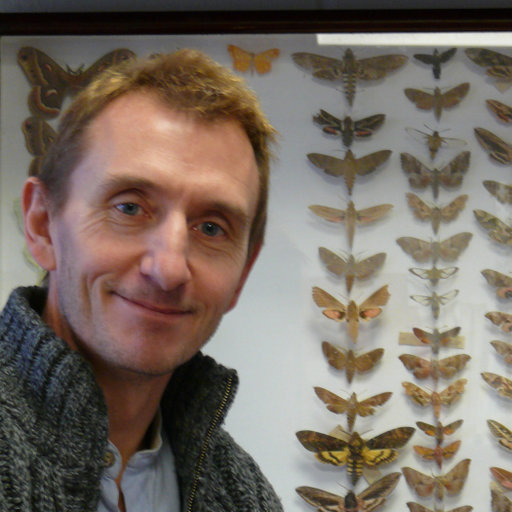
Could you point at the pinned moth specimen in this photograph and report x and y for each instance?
(504, 350)
(437, 454)
(499, 502)
(356, 452)
(350, 267)
(502, 433)
(502, 385)
(500, 319)
(436, 214)
(438, 101)
(501, 282)
(39, 136)
(437, 339)
(439, 430)
(347, 128)
(498, 149)
(351, 313)
(349, 69)
(450, 483)
(503, 476)
(447, 250)
(500, 110)
(435, 301)
(434, 274)
(351, 216)
(435, 141)
(496, 228)
(350, 166)
(348, 361)
(244, 61)
(445, 368)
(436, 59)
(352, 407)
(498, 65)
(446, 397)
(501, 191)
(372, 498)
(51, 83)
(449, 176)
(416, 507)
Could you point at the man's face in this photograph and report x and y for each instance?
(151, 244)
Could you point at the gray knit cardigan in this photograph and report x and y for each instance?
(54, 427)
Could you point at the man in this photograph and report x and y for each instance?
(148, 215)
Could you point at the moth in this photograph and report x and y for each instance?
(39, 136)
(499, 502)
(449, 176)
(355, 452)
(349, 69)
(244, 61)
(350, 166)
(438, 101)
(416, 507)
(500, 319)
(350, 267)
(372, 498)
(447, 250)
(501, 191)
(436, 59)
(439, 430)
(437, 454)
(347, 128)
(445, 368)
(436, 214)
(501, 384)
(351, 313)
(496, 228)
(447, 397)
(498, 65)
(503, 476)
(350, 216)
(501, 282)
(500, 110)
(348, 361)
(502, 433)
(450, 483)
(434, 274)
(437, 339)
(498, 149)
(503, 349)
(435, 141)
(51, 83)
(435, 301)
(351, 407)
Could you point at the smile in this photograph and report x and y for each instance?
(155, 308)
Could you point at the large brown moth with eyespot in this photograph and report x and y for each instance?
(500, 110)
(499, 150)
(438, 431)
(434, 274)
(348, 70)
(372, 498)
(437, 339)
(435, 301)
(347, 128)
(502, 282)
(436, 59)
(355, 452)
(496, 228)
(437, 454)
(447, 250)
(445, 368)
(501, 191)
(501, 433)
(502, 385)
(435, 141)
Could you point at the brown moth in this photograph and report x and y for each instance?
(504, 76)
(347, 128)
(244, 60)
(436, 59)
(446, 397)
(449, 176)
(416, 507)
(437, 339)
(437, 454)
(351, 407)
(502, 433)
(501, 191)
(447, 250)
(439, 430)
(372, 498)
(500, 319)
(499, 502)
(351, 313)
(501, 282)
(445, 368)
(438, 100)
(498, 149)
(434, 274)
(500, 110)
(355, 452)
(451, 483)
(501, 384)
(348, 361)
(504, 350)
(39, 136)
(496, 228)
(503, 476)
(498, 65)
(435, 301)
(436, 214)
(350, 216)
(349, 69)
(435, 141)
(350, 166)
(350, 267)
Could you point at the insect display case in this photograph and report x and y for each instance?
(374, 336)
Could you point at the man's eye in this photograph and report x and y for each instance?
(128, 208)
(210, 229)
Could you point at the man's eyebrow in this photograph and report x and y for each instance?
(126, 182)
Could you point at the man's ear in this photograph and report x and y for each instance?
(36, 221)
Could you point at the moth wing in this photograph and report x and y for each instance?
(394, 438)
(424, 57)
(500, 110)
(455, 479)
(504, 349)
(499, 502)
(334, 309)
(374, 457)
(322, 67)
(324, 117)
(416, 507)
(454, 245)
(369, 309)
(365, 268)
(369, 163)
(329, 164)
(418, 395)
(449, 366)
(502, 433)
(242, 59)
(451, 174)
(502, 320)
(451, 210)
(39, 135)
(452, 427)
(501, 191)
(334, 402)
(335, 357)
(453, 96)
(373, 213)
(447, 297)
(453, 392)
(422, 484)
(497, 148)
(366, 126)
(420, 250)
(328, 213)
(381, 488)
(319, 498)
(426, 300)
(420, 209)
(447, 55)
(421, 368)
(112, 58)
(421, 99)
(263, 60)
(419, 175)
(484, 57)
(503, 476)
(374, 68)
(318, 442)
(334, 263)
(501, 384)
(368, 360)
(367, 407)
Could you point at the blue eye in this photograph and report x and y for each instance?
(211, 229)
(128, 208)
